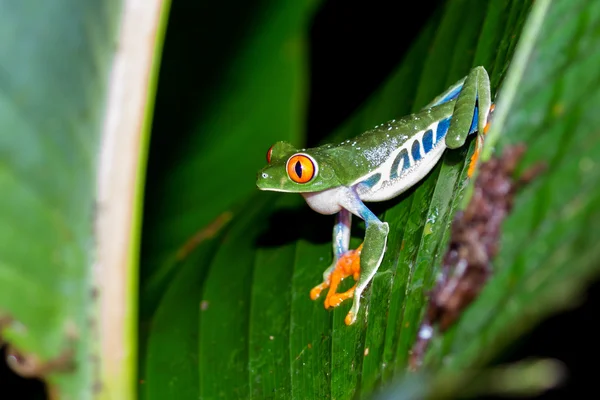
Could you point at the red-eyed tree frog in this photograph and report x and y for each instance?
(376, 166)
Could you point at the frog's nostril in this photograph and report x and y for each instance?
(265, 175)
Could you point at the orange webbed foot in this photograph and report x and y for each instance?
(347, 265)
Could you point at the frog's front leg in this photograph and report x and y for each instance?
(341, 242)
(471, 112)
(345, 263)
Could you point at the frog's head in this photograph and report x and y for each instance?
(291, 170)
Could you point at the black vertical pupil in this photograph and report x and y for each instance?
(298, 169)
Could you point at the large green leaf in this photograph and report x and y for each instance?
(54, 69)
(237, 322)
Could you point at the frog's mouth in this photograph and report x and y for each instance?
(266, 181)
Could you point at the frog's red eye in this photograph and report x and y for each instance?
(269, 154)
(301, 168)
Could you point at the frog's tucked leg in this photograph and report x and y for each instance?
(479, 144)
(471, 111)
(372, 250)
(472, 104)
(341, 242)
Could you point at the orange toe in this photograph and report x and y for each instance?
(473, 162)
(316, 291)
(486, 128)
(337, 298)
(350, 318)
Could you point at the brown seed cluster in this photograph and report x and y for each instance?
(473, 245)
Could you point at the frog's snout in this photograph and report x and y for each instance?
(261, 179)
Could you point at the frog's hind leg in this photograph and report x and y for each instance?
(372, 253)
(341, 242)
(471, 113)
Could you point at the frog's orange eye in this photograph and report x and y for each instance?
(301, 168)
(269, 154)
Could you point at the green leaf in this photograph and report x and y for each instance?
(53, 84)
(236, 320)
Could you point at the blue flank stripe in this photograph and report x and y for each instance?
(372, 180)
(403, 155)
(449, 96)
(473, 127)
(442, 129)
(416, 150)
(428, 141)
